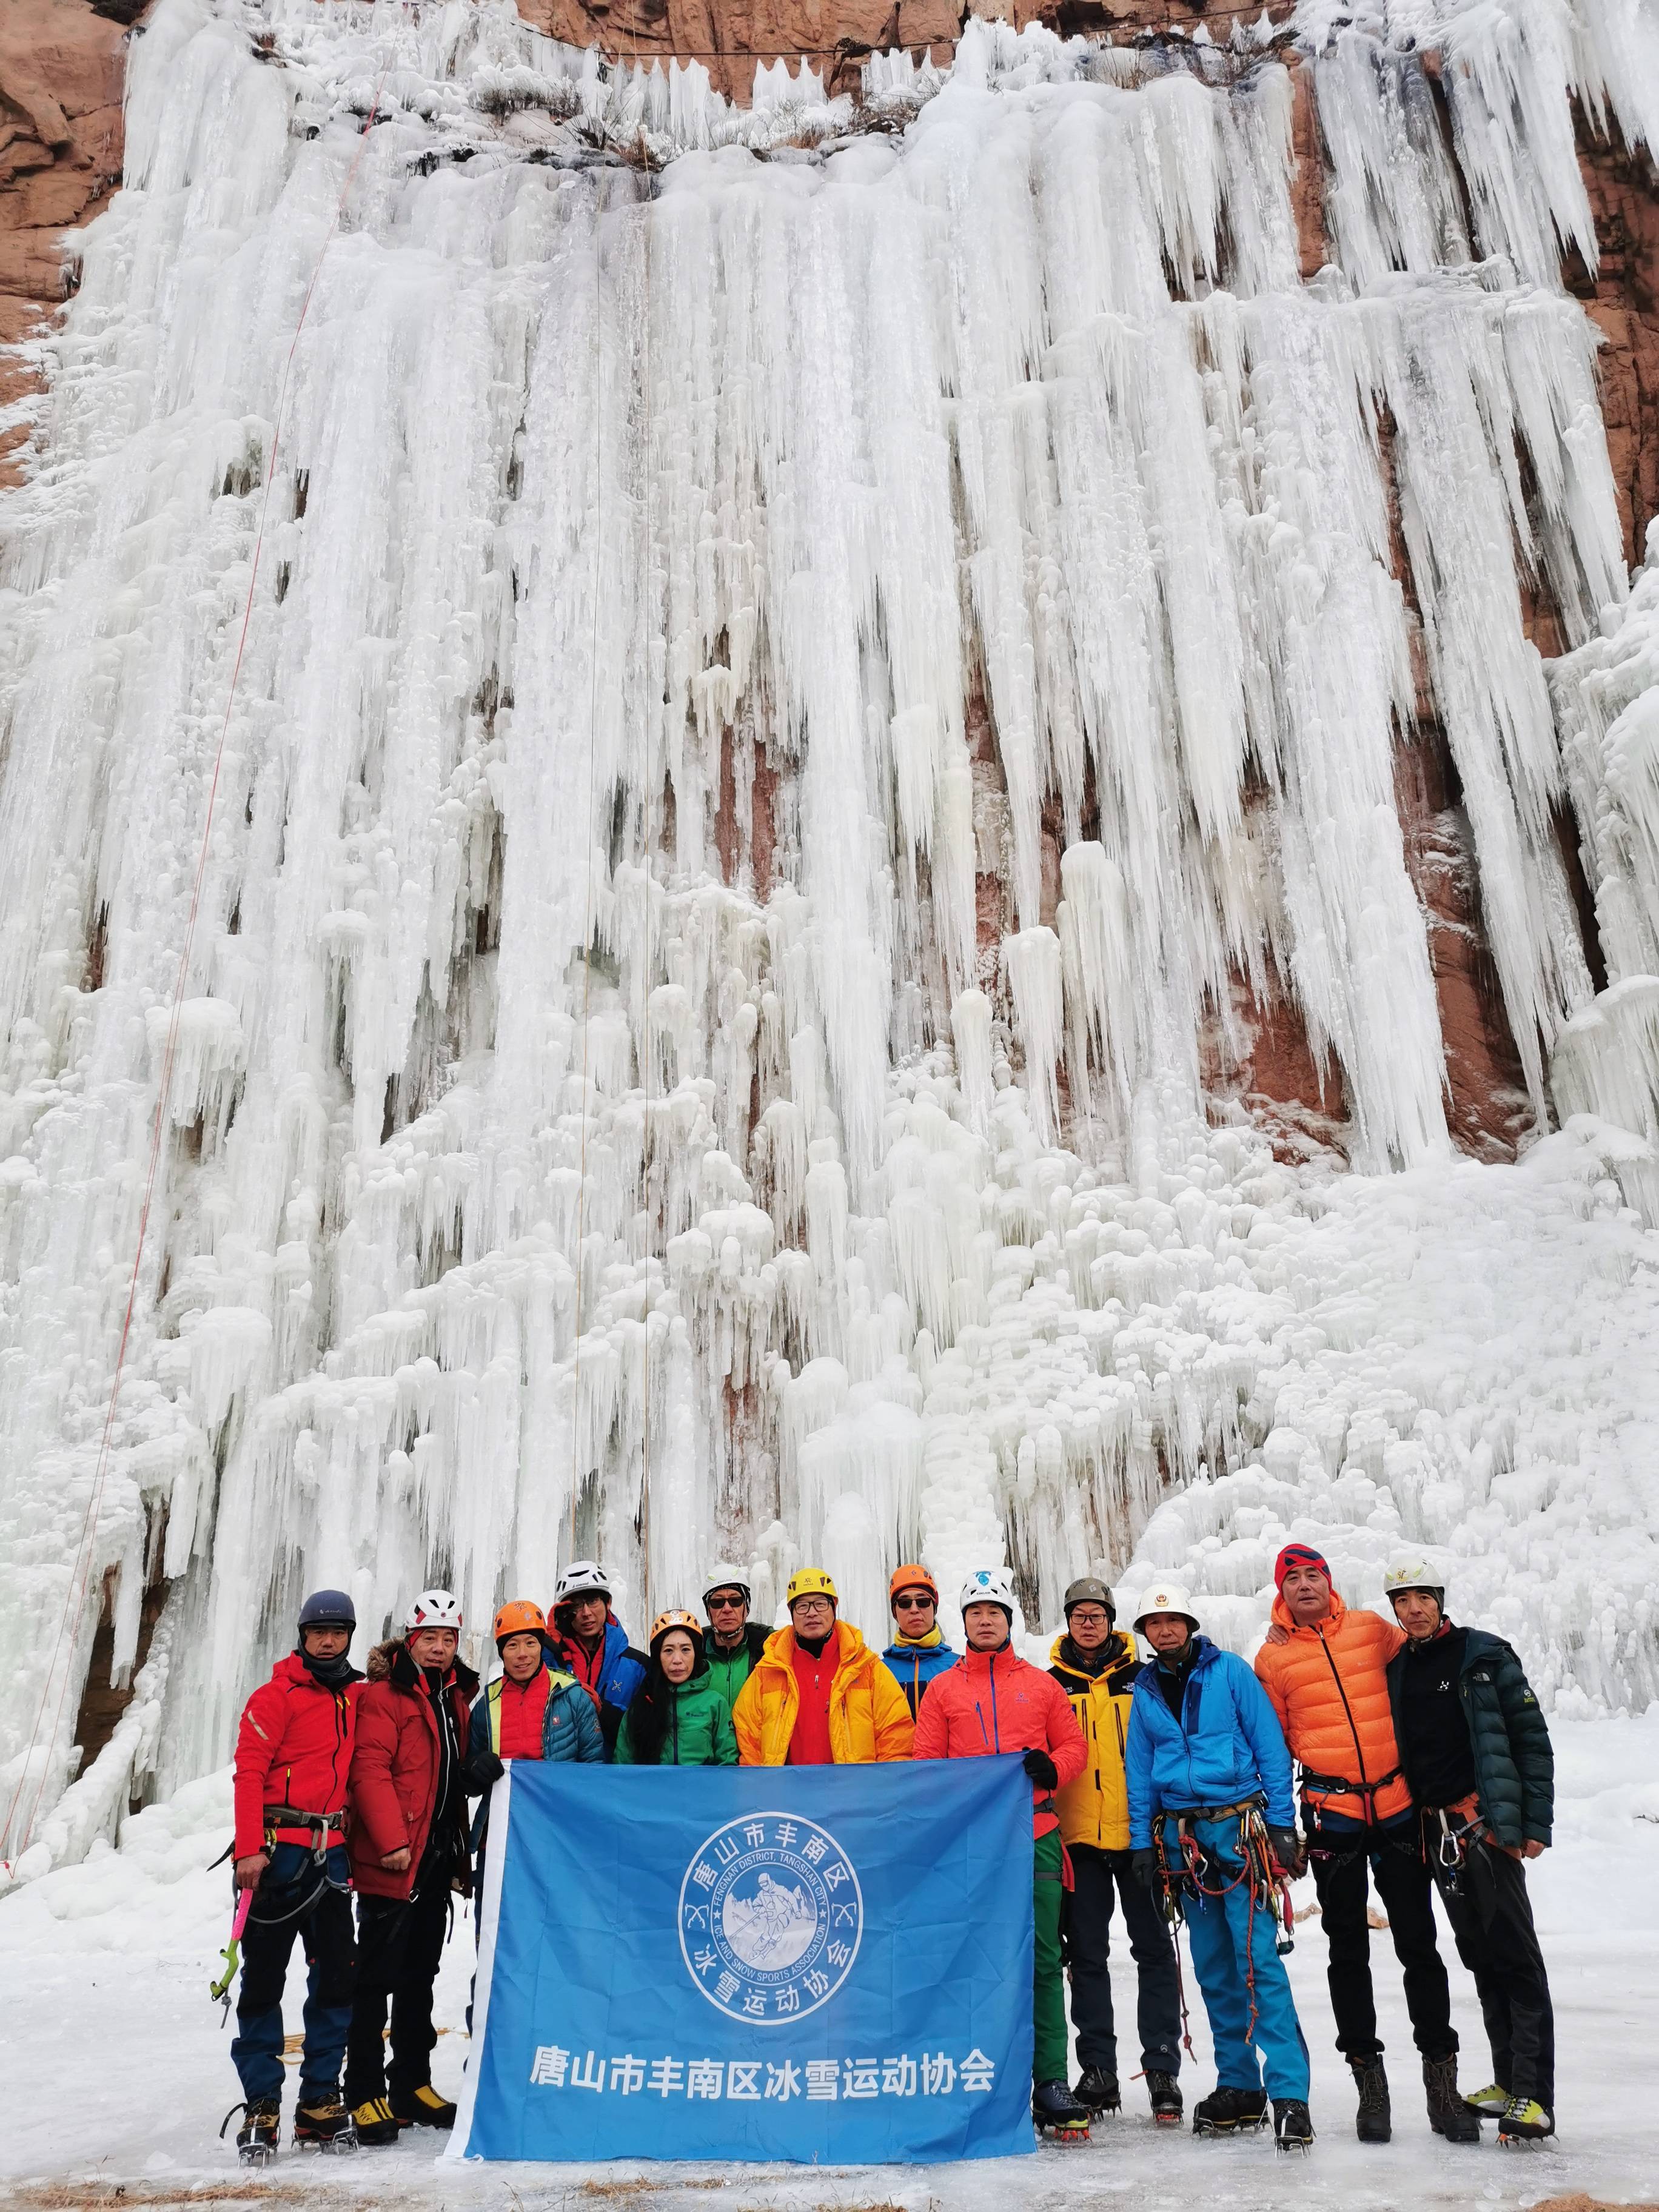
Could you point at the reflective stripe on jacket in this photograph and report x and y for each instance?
(294, 1747)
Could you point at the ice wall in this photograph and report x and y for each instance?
(643, 1085)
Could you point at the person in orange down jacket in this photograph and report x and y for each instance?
(409, 1850)
(819, 1696)
(1322, 1667)
(991, 1701)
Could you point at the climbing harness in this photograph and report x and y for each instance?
(1268, 1883)
(1446, 1833)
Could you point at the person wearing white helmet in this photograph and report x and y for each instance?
(409, 1852)
(1212, 1822)
(735, 1643)
(592, 1645)
(1476, 1751)
(992, 1701)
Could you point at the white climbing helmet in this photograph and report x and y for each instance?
(724, 1576)
(1414, 1574)
(582, 1578)
(1165, 1597)
(434, 1608)
(988, 1586)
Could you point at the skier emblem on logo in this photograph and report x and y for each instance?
(770, 1917)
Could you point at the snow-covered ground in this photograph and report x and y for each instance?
(116, 2072)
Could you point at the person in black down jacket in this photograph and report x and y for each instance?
(1476, 1751)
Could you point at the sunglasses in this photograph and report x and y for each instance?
(911, 1604)
(726, 1604)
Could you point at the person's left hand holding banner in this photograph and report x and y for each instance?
(829, 1964)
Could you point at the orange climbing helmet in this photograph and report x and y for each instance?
(911, 1578)
(676, 1617)
(519, 1617)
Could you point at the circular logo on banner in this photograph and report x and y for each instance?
(770, 1917)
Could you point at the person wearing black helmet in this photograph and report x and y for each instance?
(1096, 1663)
(293, 1761)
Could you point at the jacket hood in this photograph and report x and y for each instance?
(1332, 1619)
(1205, 1654)
(391, 1662)
(979, 1663)
(1118, 1651)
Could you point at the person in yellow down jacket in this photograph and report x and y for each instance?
(1096, 1665)
(819, 1696)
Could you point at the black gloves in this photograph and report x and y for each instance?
(485, 1768)
(1145, 1869)
(1042, 1770)
(1287, 1849)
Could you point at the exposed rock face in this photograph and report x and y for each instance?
(60, 150)
(61, 66)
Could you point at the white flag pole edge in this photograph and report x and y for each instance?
(489, 1906)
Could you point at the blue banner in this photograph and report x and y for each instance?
(825, 1964)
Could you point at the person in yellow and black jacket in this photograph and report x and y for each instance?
(1096, 1665)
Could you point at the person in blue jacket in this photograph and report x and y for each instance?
(592, 1645)
(918, 1651)
(1206, 1761)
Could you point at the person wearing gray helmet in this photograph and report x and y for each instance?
(735, 1641)
(1096, 1663)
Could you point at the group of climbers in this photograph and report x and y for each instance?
(1163, 1790)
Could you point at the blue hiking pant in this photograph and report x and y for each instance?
(296, 1897)
(1232, 1946)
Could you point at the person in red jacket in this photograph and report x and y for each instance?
(292, 1759)
(994, 1701)
(409, 1850)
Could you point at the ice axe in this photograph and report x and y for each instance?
(231, 1954)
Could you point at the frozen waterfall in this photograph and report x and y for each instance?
(801, 658)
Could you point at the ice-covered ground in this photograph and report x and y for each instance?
(115, 2073)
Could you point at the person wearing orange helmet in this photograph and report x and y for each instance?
(918, 1651)
(676, 1717)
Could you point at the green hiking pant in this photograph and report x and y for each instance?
(1050, 2044)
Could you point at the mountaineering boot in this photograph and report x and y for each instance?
(375, 2122)
(1524, 2121)
(1098, 2090)
(1057, 2112)
(256, 2139)
(1373, 2123)
(1166, 2099)
(1449, 2115)
(1488, 2104)
(1292, 2127)
(322, 2119)
(422, 2108)
(1230, 2112)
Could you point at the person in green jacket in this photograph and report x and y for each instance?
(734, 1642)
(678, 1718)
(1476, 1749)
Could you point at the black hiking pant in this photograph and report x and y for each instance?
(400, 1941)
(296, 1899)
(1491, 1917)
(1086, 1927)
(1342, 1859)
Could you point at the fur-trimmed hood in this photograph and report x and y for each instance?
(391, 1662)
